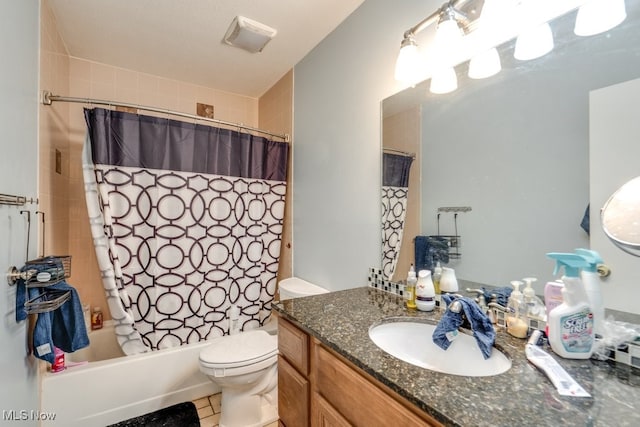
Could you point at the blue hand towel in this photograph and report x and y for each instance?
(428, 250)
(43, 346)
(69, 331)
(482, 328)
(502, 295)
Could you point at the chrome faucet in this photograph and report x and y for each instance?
(480, 299)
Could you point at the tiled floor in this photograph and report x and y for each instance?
(209, 411)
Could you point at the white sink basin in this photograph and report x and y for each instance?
(411, 342)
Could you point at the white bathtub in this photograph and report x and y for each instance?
(112, 387)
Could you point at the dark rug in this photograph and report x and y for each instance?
(180, 415)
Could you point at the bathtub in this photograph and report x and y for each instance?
(101, 386)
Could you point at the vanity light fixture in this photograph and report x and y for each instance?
(409, 63)
(598, 16)
(534, 42)
(443, 80)
(447, 42)
(486, 63)
(499, 19)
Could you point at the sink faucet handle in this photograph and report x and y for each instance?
(455, 306)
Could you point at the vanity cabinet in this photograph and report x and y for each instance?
(319, 387)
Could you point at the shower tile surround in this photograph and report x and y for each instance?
(522, 396)
(627, 353)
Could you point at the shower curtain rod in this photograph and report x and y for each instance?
(48, 98)
(404, 153)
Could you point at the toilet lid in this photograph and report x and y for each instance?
(239, 350)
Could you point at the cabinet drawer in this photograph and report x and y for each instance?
(294, 345)
(359, 401)
(293, 396)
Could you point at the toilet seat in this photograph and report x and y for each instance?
(238, 354)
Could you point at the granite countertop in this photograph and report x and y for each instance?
(523, 396)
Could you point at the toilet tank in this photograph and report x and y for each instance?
(295, 287)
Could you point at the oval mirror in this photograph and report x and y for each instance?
(620, 217)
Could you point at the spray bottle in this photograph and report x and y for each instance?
(570, 324)
(591, 282)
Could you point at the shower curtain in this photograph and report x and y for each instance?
(186, 221)
(395, 190)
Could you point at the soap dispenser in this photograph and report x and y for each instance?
(410, 289)
(534, 306)
(448, 281)
(425, 292)
(437, 273)
(516, 318)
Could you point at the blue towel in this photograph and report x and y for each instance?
(69, 332)
(482, 328)
(429, 250)
(63, 328)
(502, 295)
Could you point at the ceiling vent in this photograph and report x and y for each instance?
(249, 35)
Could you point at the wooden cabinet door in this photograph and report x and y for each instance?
(325, 415)
(357, 399)
(294, 345)
(293, 396)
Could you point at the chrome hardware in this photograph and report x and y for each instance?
(13, 274)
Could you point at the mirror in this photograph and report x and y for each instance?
(620, 217)
(515, 148)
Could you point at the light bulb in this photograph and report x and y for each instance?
(598, 16)
(443, 80)
(534, 42)
(485, 64)
(409, 63)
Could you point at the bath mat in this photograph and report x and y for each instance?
(180, 415)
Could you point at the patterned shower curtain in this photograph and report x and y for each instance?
(186, 221)
(395, 191)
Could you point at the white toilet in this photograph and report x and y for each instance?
(294, 287)
(245, 366)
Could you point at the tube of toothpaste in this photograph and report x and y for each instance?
(563, 382)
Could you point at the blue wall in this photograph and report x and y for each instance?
(338, 88)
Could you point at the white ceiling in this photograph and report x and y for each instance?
(182, 39)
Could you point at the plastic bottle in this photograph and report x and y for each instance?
(534, 306)
(425, 292)
(58, 360)
(552, 295)
(570, 324)
(516, 319)
(591, 281)
(96, 318)
(410, 289)
(437, 273)
(448, 281)
(234, 320)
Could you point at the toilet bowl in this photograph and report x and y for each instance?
(294, 287)
(245, 367)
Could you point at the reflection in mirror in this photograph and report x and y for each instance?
(515, 148)
(621, 217)
(401, 138)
